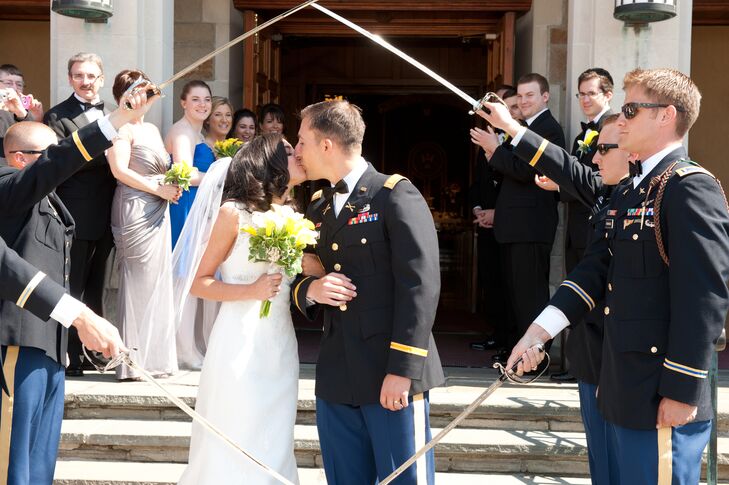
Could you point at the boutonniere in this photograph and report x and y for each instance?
(585, 146)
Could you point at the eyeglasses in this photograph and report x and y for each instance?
(630, 110)
(603, 148)
(82, 77)
(591, 95)
(10, 83)
(28, 152)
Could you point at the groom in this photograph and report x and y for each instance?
(378, 358)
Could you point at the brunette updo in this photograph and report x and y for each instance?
(124, 79)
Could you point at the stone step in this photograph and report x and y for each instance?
(74, 472)
(463, 450)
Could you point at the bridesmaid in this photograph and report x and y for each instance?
(244, 125)
(185, 143)
(272, 119)
(140, 223)
(220, 121)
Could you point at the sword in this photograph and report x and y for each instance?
(505, 375)
(475, 104)
(156, 90)
(124, 358)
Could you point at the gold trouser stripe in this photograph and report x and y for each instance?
(408, 349)
(421, 466)
(296, 293)
(6, 413)
(80, 146)
(538, 155)
(665, 456)
(23, 298)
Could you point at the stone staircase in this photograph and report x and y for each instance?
(127, 433)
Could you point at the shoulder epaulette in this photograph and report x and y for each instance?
(316, 195)
(682, 172)
(393, 180)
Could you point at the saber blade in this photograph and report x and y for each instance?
(382, 42)
(233, 42)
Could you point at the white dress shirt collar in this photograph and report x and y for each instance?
(351, 180)
(650, 163)
(604, 110)
(83, 101)
(529, 121)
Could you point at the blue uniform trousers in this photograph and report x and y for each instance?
(30, 418)
(666, 456)
(363, 444)
(603, 458)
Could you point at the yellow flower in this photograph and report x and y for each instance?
(591, 135)
(249, 229)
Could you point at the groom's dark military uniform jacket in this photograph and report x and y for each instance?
(385, 241)
(35, 223)
(661, 322)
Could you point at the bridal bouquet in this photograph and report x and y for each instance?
(180, 174)
(279, 236)
(227, 147)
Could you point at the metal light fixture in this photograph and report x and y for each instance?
(644, 11)
(89, 10)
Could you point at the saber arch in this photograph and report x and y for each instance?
(415, 126)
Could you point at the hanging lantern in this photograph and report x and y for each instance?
(644, 11)
(89, 10)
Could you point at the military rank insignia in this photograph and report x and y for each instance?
(363, 218)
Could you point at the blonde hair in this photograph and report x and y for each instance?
(217, 102)
(669, 86)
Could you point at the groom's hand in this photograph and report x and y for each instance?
(334, 289)
(394, 393)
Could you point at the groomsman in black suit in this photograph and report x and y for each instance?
(526, 218)
(36, 224)
(87, 194)
(378, 359)
(595, 90)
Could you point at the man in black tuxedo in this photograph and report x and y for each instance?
(378, 359)
(35, 223)
(526, 217)
(87, 194)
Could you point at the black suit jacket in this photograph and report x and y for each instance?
(35, 223)
(89, 192)
(661, 322)
(485, 188)
(578, 226)
(384, 240)
(524, 212)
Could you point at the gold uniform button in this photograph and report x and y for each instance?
(337, 267)
(363, 240)
(607, 310)
(610, 287)
(635, 237)
(654, 350)
(343, 308)
(335, 246)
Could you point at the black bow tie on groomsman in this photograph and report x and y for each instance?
(339, 188)
(635, 168)
(588, 126)
(88, 106)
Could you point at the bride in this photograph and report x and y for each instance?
(249, 380)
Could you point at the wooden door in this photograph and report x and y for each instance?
(261, 66)
(501, 53)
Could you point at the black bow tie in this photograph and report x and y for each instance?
(635, 168)
(88, 106)
(339, 188)
(588, 126)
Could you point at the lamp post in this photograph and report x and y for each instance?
(644, 11)
(94, 11)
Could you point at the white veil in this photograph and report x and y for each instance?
(194, 317)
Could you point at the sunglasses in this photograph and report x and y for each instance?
(28, 152)
(630, 110)
(603, 148)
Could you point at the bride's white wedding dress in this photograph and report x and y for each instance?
(248, 385)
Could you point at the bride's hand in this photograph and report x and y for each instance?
(266, 286)
(312, 266)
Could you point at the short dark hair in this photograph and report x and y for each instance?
(338, 120)
(274, 110)
(535, 77)
(239, 115)
(11, 69)
(258, 172)
(195, 83)
(124, 79)
(606, 80)
(509, 93)
(609, 120)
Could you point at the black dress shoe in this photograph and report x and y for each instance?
(74, 372)
(488, 344)
(501, 357)
(562, 377)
